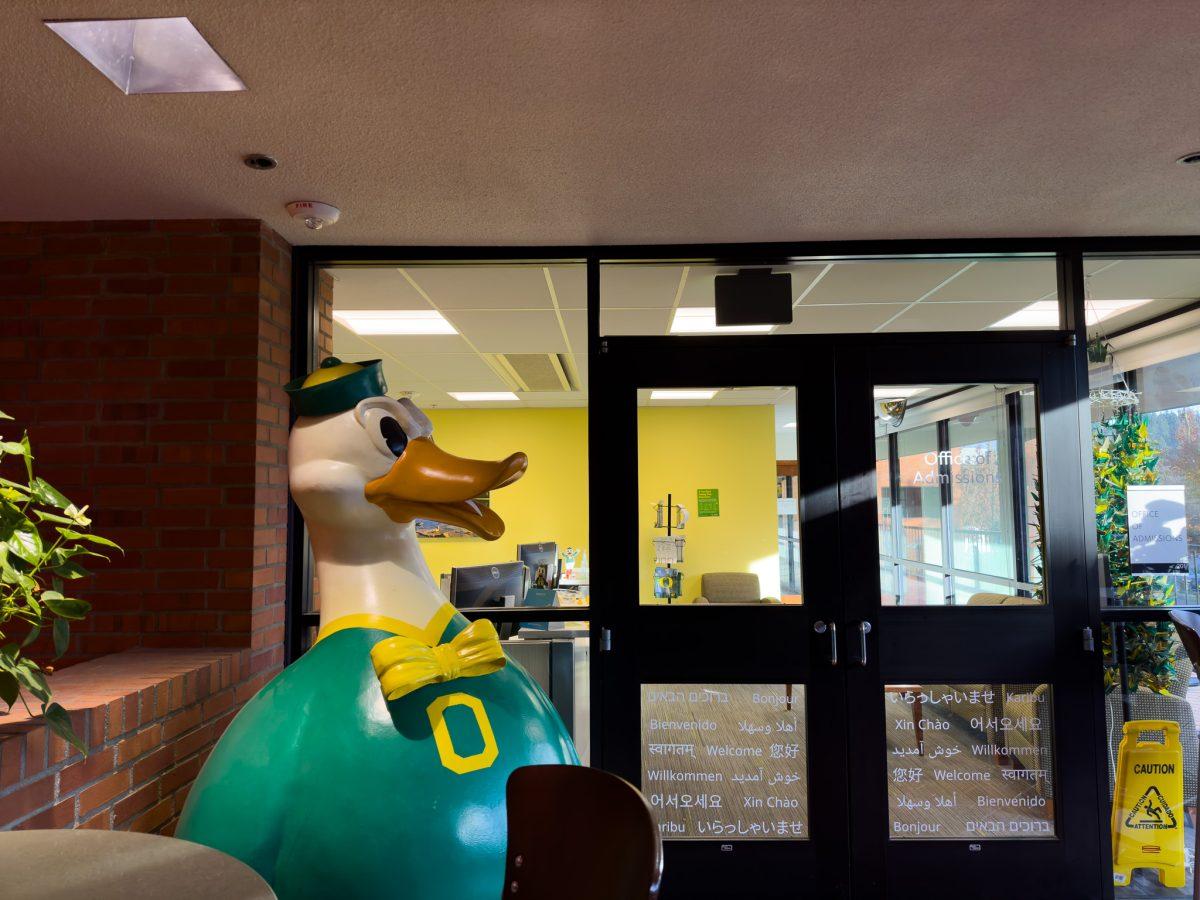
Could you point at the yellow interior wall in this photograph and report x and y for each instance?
(731, 448)
(550, 503)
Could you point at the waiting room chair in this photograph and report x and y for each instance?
(731, 587)
(581, 833)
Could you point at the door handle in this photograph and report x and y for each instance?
(864, 628)
(820, 627)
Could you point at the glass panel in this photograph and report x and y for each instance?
(674, 297)
(1143, 376)
(957, 468)
(971, 761)
(1148, 677)
(726, 761)
(495, 357)
(717, 496)
(559, 660)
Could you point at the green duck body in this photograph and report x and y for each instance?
(329, 790)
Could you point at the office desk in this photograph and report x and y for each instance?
(560, 666)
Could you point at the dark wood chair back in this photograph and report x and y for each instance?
(580, 833)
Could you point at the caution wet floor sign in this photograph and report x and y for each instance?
(1147, 816)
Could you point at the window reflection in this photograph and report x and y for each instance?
(956, 486)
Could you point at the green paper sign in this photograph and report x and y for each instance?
(708, 502)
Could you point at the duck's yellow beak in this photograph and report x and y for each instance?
(429, 483)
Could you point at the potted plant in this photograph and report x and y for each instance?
(1123, 454)
(44, 540)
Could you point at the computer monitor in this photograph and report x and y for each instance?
(497, 585)
(542, 562)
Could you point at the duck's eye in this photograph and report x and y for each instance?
(393, 435)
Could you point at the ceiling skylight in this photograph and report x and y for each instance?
(685, 394)
(1044, 313)
(150, 56)
(890, 392)
(703, 320)
(484, 396)
(394, 321)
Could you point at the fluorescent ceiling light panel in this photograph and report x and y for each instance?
(484, 396)
(703, 320)
(1044, 313)
(394, 321)
(696, 394)
(888, 392)
(790, 425)
(150, 56)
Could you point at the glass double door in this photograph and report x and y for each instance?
(843, 615)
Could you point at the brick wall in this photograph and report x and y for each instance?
(149, 719)
(146, 360)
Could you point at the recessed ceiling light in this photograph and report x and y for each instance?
(687, 394)
(150, 56)
(394, 321)
(1189, 159)
(260, 162)
(703, 320)
(484, 396)
(1045, 314)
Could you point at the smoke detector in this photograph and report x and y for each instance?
(315, 214)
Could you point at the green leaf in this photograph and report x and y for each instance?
(66, 607)
(59, 721)
(62, 637)
(52, 517)
(10, 688)
(33, 635)
(15, 447)
(47, 493)
(26, 543)
(4, 415)
(71, 570)
(71, 534)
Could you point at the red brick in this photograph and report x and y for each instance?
(142, 742)
(153, 818)
(61, 815)
(25, 800)
(76, 775)
(102, 792)
(139, 800)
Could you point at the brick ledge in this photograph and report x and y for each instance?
(149, 719)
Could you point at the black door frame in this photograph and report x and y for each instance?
(1069, 251)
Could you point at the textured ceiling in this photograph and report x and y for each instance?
(597, 122)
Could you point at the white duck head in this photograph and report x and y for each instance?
(362, 467)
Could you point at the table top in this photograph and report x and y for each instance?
(60, 864)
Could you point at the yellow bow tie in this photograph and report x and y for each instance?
(404, 664)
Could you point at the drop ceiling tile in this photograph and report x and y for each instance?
(1001, 279)
(510, 331)
(489, 382)
(400, 345)
(400, 379)
(483, 287)
(634, 321)
(880, 281)
(570, 286)
(849, 318)
(1135, 279)
(1140, 314)
(437, 367)
(575, 321)
(638, 287)
(927, 316)
(373, 288)
(347, 344)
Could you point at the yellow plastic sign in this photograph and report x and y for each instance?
(1147, 813)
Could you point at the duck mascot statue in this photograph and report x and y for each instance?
(375, 765)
